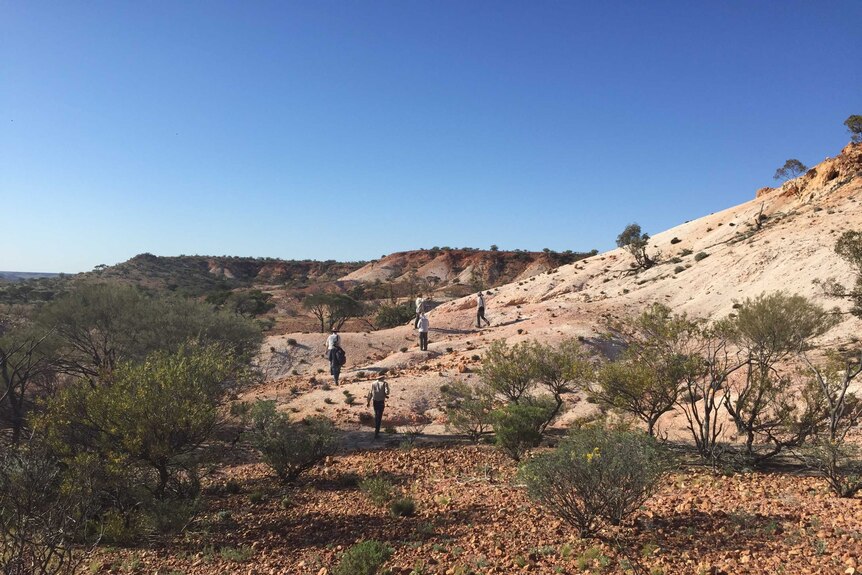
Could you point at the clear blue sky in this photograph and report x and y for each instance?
(346, 130)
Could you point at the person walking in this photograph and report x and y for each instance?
(420, 307)
(423, 332)
(333, 341)
(480, 310)
(378, 394)
(334, 354)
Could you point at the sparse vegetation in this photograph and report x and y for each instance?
(635, 242)
(290, 448)
(596, 475)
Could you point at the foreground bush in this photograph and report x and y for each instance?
(38, 519)
(364, 558)
(290, 448)
(518, 427)
(150, 420)
(596, 475)
(837, 462)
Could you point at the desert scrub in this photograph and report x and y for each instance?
(596, 475)
(378, 489)
(518, 426)
(290, 448)
(468, 408)
(402, 507)
(700, 256)
(364, 558)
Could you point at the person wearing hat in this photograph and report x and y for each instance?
(480, 310)
(378, 394)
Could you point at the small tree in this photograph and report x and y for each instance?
(508, 370)
(841, 412)
(849, 247)
(468, 408)
(25, 364)
(561, 370)
(767, 330)
(647, 379)
(854, 126)
(791, 169)
(333, 310)
(633, 241)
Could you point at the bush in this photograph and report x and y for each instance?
(517, 427)
(39, 520)
(153, 417)
(394, 315)
(700, 256)
(378, 489)
(596, 474)
(468, 408)
(364, 558)
(678, 269)
(290, 448)
(402, 507)
(838, 462)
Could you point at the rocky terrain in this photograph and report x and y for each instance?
(471, 515)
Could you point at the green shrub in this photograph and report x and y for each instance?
(468, 408)
(378, 489)
(402, 507)
(257, 497)
(364, 558)
(393, 315)
(596, 474)
(149, 422)
(700, 256)
(678, 269)
(290, 448)
(517, 427)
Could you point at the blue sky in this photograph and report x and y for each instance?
(347, 130)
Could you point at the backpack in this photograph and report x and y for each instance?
(340, 356)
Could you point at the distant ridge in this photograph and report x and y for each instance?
(22, 276)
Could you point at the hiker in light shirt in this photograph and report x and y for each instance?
(423, 332)
(378, 394)
(333, 342)
(420, 307)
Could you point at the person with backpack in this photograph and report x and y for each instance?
(422, 326)
(480, 310)
(335, 354)
(378, 394)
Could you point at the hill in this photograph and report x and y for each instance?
(707, 266)
(24, 276)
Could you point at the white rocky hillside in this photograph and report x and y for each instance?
(794, 246)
